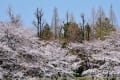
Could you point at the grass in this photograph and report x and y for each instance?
(90, 78)
(77, 78)
(83, 78)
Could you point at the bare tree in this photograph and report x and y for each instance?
(39, 22)
(112, 16)
(67, 16)
(14, 19)
(72, 18)
(93, 22)
(83, 25)
(101, 17)
(10, 13)
(55, 21)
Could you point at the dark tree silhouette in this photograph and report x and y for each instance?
(39, 22)
(83, 23)
(14, 19)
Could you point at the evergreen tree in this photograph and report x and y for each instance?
(87, 31)
(46, 32)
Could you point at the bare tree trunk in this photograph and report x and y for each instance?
(83, 22)
(55, 22)
(93, 23)
(112, 17)
(39, 22)
(67, 17)
(101, 17)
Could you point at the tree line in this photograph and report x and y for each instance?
(98, 27)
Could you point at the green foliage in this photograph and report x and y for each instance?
(8, 78)
(71, 51)
(81, 36)
(66, 26)
(84, 78)
(113, 78)
(101, 27)
(97, 78)
(87, 31)
(71, 32)
(104, 28)
(63, 44)
(46, 33)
